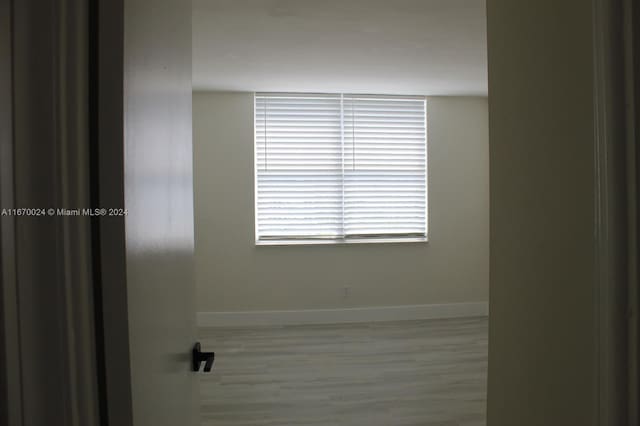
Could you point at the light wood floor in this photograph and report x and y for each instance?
(408, 373)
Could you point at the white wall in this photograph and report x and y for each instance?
(232, 274)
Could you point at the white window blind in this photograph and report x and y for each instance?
(340, 167)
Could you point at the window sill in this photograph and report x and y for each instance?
(312, 242)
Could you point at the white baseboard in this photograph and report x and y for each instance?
(348, 315)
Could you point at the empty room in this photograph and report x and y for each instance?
(341, 181)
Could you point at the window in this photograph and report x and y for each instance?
(340, 168)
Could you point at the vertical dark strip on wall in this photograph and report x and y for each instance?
(6, 180)
(636, 105)
(94, 70)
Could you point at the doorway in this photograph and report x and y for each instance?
(341, 184)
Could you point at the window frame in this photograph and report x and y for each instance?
(344, 240)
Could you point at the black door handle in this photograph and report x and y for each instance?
(198, 357)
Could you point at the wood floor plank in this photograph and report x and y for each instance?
(406, 373)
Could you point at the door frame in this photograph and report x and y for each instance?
(616, 212)
(108, 168)
(632, 25)
(631, 78)
(10, 365)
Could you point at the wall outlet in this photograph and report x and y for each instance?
(346, 292)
